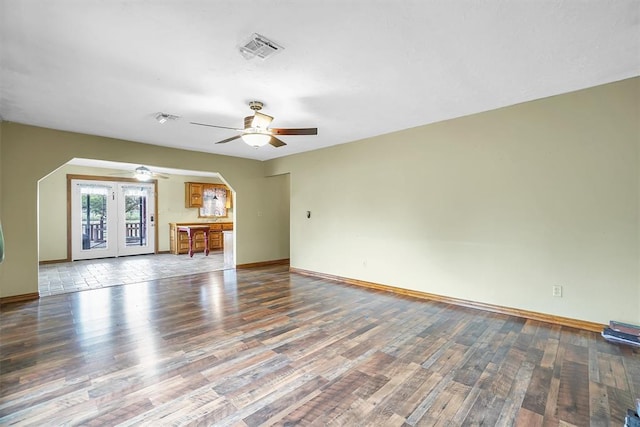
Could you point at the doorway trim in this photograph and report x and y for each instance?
(71, 177)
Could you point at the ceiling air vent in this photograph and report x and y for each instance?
(259, 46)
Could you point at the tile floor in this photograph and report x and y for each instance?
(99, 273)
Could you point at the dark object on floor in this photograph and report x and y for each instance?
(620, 337)
(632, 419)
(622, 333)
(626, 328)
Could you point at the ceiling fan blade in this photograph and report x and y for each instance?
(276, 142)
(224, 141)
(214, 126)
(260, 120)
(301, 131)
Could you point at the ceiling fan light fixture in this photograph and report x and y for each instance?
(256, 131)
(256, 139)
(142, 174)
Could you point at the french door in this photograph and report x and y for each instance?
(110, 219)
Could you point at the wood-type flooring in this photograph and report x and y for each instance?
(268, 347)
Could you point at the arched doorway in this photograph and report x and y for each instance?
(58, 274)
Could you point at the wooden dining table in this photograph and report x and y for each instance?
(191, 230)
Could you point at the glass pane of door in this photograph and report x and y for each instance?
(94, 217)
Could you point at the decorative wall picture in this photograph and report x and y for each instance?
(214, 202)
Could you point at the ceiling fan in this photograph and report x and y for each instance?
(256, 131)
(143, 173)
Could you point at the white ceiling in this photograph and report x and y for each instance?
(354, 69)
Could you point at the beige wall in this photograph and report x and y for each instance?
(52, 212)
(30, 153)
(496, 207)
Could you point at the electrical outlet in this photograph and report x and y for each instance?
(556, 291)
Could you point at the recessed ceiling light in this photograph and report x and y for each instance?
(163, 117)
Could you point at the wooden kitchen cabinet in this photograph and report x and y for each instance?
(179, 240)
(200, 194)
(193, 192)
